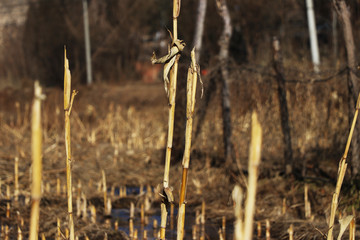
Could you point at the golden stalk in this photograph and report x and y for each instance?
(16, 182)
(6, 233)
(142, 214)
(131, 228)
(352, 229)
(131, 220)
(58, 233)
(163, 220)
(93, 213)
(221, 235)
(194, 232)
(135, 234)
(172, 95)
(8, 210)
(68, 103)
(18, 114)
(58, 187)
(78, 205)
(254, 161)
(191, 92)
(223, 229)
(283, 209)
(244, 224)
(307, 202)
(291, 232)
(172, 217)
(19, 236)
(237, 196)
(84, 207)
(36, 146)
(104, 188)
(267, 233)
(116, 225)
(202, 221)
(341, 174)
(8, 192)
(145, 235)
(258, 229)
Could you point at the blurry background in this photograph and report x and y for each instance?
(123, 35)
(33, 34)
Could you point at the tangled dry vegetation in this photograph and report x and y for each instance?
(122, 131)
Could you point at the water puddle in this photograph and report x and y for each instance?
(152, 221)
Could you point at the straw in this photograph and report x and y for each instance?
(68, 103)
(341, 174)
(36, 152)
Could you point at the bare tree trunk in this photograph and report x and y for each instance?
(353, 87)
(284, 112)
(199, 28)
(315, 55)
(335, 37)
(87, 43)
(224, 43)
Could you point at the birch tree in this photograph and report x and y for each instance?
(343, 13)
(224, 43)
(199, 29)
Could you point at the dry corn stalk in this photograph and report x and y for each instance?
(68, 103)
(36, 146)
(170, 65)
(291, 232)
(58, 235)
(254, 161)
(202, 220)
(16, 182)
(341, 174)
(93, 213)
(223, 229)
(191, 92)
(237, 196)
(104, 189)
(352, 229)
(258, 229)
(244, 225)
(19, 236)
(267, 233)
(307, 203)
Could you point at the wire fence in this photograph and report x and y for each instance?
(291, 75)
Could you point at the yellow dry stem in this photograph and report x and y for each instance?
(254, 161)
(16, 182)
(36, 146)
(244, 225)
(191, 92)
(172, 95)
(68, 102)
(341, 174)
(104, 191)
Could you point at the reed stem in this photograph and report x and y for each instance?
(68, 102)
(36, 152)
(172, 96)
(16, 182)
(191, 92)
(341, 173)
(254, 161)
